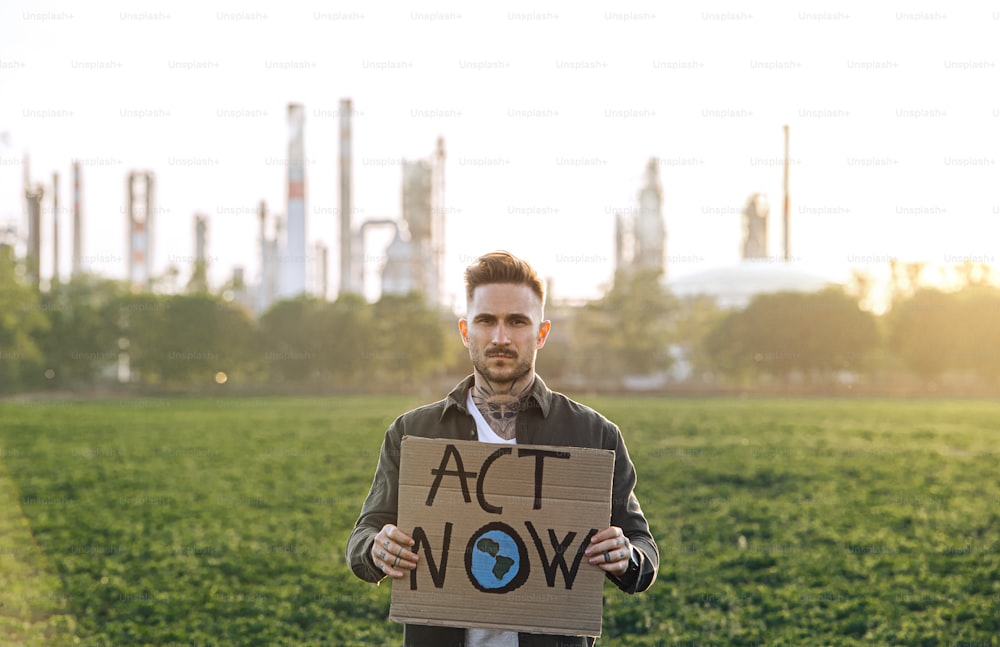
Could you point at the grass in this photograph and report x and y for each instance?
(224, 521)
(33, 610)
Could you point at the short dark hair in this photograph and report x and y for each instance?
(502, 267)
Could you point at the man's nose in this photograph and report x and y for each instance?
(500, 337)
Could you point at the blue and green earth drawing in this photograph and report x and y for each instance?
(496, 560)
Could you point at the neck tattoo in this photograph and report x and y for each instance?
(500, 408)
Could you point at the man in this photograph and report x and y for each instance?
(503, 401)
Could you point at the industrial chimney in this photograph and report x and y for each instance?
(347, 283)
(139, 186)
(77, 223)
(294, 261)
(55, 228)
(33, 195)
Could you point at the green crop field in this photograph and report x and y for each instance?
(224, 521)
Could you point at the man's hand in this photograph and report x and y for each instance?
(390, 554)
(610, 550)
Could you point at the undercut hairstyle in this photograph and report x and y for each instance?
(502, 267)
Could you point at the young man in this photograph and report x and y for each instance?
(503, 401)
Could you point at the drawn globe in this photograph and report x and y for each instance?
(496, 559)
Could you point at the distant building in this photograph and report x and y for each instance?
(415, 256)
(734, 286)
(640, 240)
(239, 292)
(413, 261)
(265, 292)
(650, 232)
(402, 265)
(755, 216)
(199, 272)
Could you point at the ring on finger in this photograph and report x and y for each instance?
(607, 557)
(395, 562)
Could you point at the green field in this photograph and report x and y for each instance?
(780, 522)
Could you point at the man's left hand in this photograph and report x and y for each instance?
(610, 550)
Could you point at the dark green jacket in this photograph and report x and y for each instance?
(553, 420)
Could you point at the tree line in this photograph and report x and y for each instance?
(92, 332)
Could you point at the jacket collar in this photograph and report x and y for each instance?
(540, 393)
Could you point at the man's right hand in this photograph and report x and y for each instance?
(390, 552)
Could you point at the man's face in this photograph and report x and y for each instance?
(503, 330)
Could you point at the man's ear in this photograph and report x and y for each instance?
(463, 329)
(543, 333)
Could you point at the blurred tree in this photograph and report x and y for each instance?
(198, 283)
(82, 342)
(167, 282)
(185, 340)
(696, 317)
(815, 334)
(293, 338)
(861, 286)
(345, 335)
(924, 332)
(977, 334)
(970, 274)
(137, 320)
(234, 336)
(409, 341)
(626, 333)
(21, 319)
(729, 346)
(555, 362)
(904, 280)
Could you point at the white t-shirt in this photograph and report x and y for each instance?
(488, 637)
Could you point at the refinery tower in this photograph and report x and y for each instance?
(293, 275)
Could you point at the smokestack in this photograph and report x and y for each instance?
(32, 205)
(33, 196)
(77, 223)
(200, 229)
(55, 228)
(786, 208)
(199, 273)
(320, 268)
(263, 294)
(324, 286)
(347, 283)
(262, 219)
(294, 261)
(437, 222)
(139, 185)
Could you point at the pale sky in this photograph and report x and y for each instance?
(549, 112)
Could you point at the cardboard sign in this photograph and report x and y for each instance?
(501, 530)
